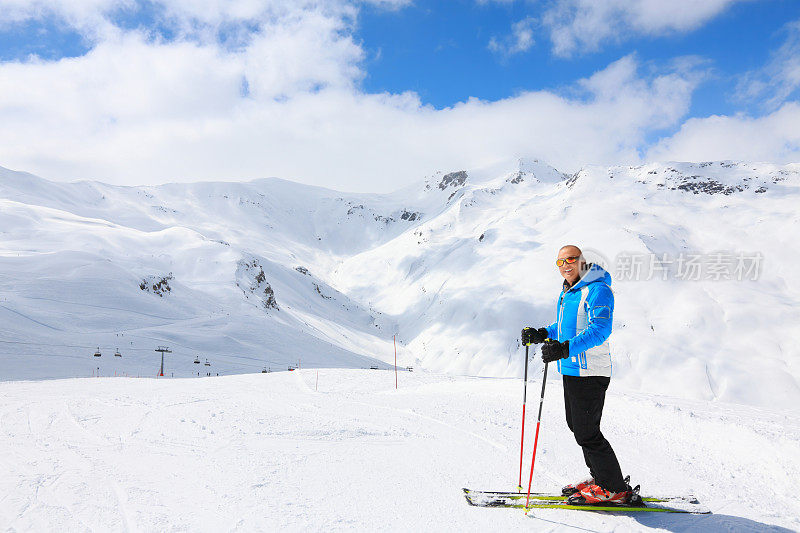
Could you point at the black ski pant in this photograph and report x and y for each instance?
(583, 403)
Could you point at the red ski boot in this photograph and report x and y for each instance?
(594, 494)
(569, 490)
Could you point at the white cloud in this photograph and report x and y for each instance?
(139, 110)
(520, 40)
(389, 4)
(286, 101)
(773, 138)
(189, 18)
(578, 26)
(779, 79)
(87, 16)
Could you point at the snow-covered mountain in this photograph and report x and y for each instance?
(270, 273)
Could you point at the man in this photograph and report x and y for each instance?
(578, 340)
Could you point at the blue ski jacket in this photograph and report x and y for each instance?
(585, 312)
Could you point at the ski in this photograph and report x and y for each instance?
(687, 504)
(559, 497)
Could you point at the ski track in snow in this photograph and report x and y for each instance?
(267, 452)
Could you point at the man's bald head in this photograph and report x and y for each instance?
(570, 249)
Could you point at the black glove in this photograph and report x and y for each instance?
(554, 350)
(533, 336)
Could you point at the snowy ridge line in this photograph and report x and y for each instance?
(454, 266)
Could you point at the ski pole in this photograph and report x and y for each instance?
(524, 401)
(536, 439)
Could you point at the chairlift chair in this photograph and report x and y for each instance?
(197, 360)
(207, 363)
(97, 353)
(117, 354)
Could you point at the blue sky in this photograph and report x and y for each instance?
(135, 91)
(440, 50)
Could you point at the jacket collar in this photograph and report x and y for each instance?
(593, 273)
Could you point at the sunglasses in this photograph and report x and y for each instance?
(568, 260)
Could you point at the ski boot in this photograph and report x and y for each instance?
(596, 495)
(569, 490)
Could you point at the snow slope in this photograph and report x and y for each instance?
(74, 257)
(462, 282)
(454, 265)
(271, 274)
(281, 451)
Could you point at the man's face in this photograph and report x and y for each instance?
(570, 271)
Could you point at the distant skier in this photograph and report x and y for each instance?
(578, 340)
